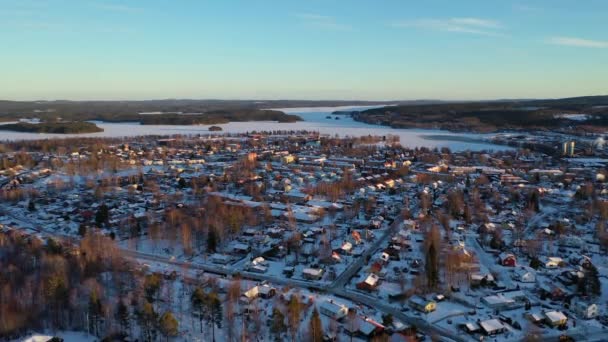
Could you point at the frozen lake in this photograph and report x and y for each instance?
(314, 120)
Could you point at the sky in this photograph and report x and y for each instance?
(302, 49)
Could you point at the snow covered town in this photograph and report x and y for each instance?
(299, 236)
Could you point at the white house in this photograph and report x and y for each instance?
(333, 310)
(492, 327)
(585, 310)
(312, 273)
(525, 275)
(555, 318)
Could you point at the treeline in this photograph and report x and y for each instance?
(54, 285)
(217, 117)
(490, 116)
(69, 127)
(114, 111)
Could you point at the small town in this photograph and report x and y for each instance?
(296, 235)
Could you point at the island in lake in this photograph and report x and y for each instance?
(68, 127)
(218, 117)
(215, 128)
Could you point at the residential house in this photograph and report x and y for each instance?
(507, 259)
(312, 273)
(492, 327)
(421, 304)
(525, 275)
(556, 318)
(370, 283)
(333, 310)
(585, 310)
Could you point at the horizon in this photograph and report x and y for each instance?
(262, 100)
(347, 50)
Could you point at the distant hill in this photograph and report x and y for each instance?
(169, 111)
(491, 116)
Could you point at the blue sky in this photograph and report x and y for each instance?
(302, 49)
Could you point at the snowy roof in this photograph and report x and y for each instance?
(555, 316)
(312, 271)
(372, 280)
(491, 325)
(497, 300)
(38, 338)
(334, 307)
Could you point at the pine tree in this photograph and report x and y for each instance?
(212, 241)
(103, 215)
(432, 266)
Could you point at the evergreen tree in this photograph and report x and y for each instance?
(212, 241)
(82, 229)
(432, 266)
(103, 215)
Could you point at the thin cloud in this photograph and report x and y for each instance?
(323, 22)
(469, 25)
(113, 7)
(525, 8)
(578, 42)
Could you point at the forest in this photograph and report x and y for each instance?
(115, 111)
(493, 115)
(69, 127)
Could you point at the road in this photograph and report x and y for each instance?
(370, 301)
(336, 288)
(354, 267)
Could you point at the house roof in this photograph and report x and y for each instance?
(555, 316)
(491, 325)
(371, 280)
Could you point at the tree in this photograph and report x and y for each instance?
(122, 316)
(147, 321)
(278, 327)
(31, 206)
(316, 327)
(152, 285)
(214, 309)
(432, 266)
(103, 215)
(387, 320)
(211, 241)
(198, 304)
(168, 325)
(95, 313)
(294, 308)
(82, 229)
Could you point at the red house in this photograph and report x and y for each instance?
(507, 259)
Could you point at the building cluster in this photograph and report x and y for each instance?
(469, 244)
